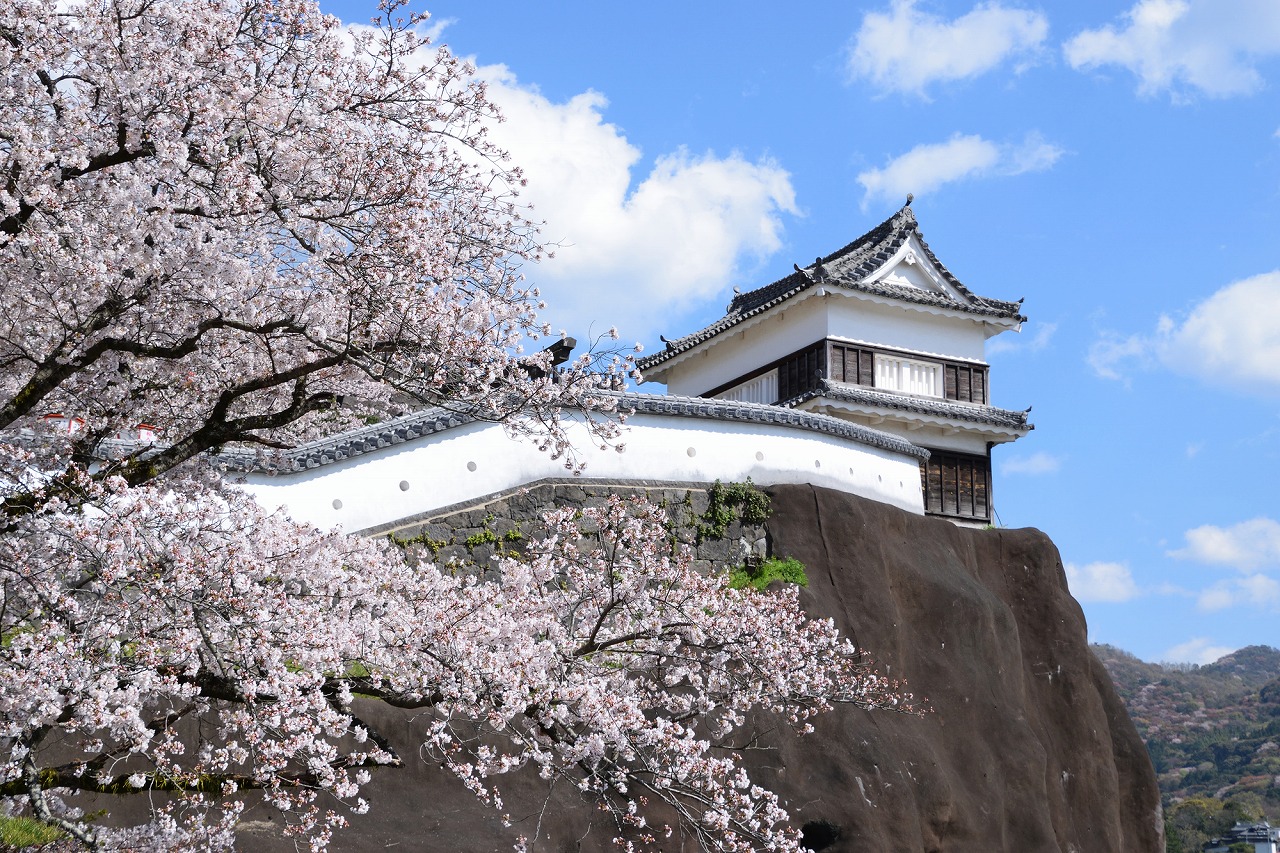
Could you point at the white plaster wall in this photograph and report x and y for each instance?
(466, 463)
(900, 328)
(938, 438)
(960, 442)
(811, 318)
(972, 440)
(755, 343)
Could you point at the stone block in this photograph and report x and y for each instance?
(451, 554)
(503, 524)
(574, 495)
(436, 531)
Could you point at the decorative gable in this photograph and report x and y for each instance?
(890, 264)
(879, 333)
(912, 267)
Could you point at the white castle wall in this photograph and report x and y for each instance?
(756, 342)
(466, 463)
(812, 316)
(853, 317)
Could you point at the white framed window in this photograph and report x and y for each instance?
(908, 376)
(761, 389)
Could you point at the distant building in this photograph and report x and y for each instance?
(879, 333)
(1263, 837)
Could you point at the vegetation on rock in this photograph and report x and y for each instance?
(759, 575)
(730, 502)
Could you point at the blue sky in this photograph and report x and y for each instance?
(1116, 164)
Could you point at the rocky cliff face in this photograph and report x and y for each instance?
(1026, 746)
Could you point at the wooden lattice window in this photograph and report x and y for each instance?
(965, 383)
(802, 372)
(957, 485)
(854, 365)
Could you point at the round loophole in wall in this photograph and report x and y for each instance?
(404, 485)
(471, 466)
(759, 456)
(337, 504)
(817, 463)
(692, 452)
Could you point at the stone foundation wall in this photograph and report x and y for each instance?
(476, 534)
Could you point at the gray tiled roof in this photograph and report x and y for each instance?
(345, 445)
(848, 268)
(431, 421)
(971, 412)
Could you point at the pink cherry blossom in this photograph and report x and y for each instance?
(231, 220)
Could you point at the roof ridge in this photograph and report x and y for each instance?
(857, 261)
(904, 217)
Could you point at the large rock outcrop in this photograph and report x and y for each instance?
(1026, 746)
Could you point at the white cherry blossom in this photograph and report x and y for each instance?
(228, 219)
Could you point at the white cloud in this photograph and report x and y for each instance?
(927, 167)
(1037, 463)
(634, 249)
(905, 49)
(1248, 545)
(1257, 590)
(431, 29)
(631, 250)
(1101, 582)
(1210, 46)
(1196, 650)
(1260, 590)
(1037, 342)
(1232, 338)
(1111, 354)
(1033, 154)
(1217, 597)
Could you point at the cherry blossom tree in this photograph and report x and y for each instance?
(234, 221)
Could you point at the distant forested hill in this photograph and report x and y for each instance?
(1213, 733)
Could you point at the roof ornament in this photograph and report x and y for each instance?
(663, 338)
(819, 272)
(910, 198)
(736, 294)
(1020, 298)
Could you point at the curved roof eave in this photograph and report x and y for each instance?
(429, 422)
(860, 260)
(944, 411)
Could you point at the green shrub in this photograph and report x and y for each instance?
(761, 575)
(421, 539)
(729, 501)
(19, 832)
(484, 537)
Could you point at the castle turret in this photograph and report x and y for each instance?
(879, 333)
